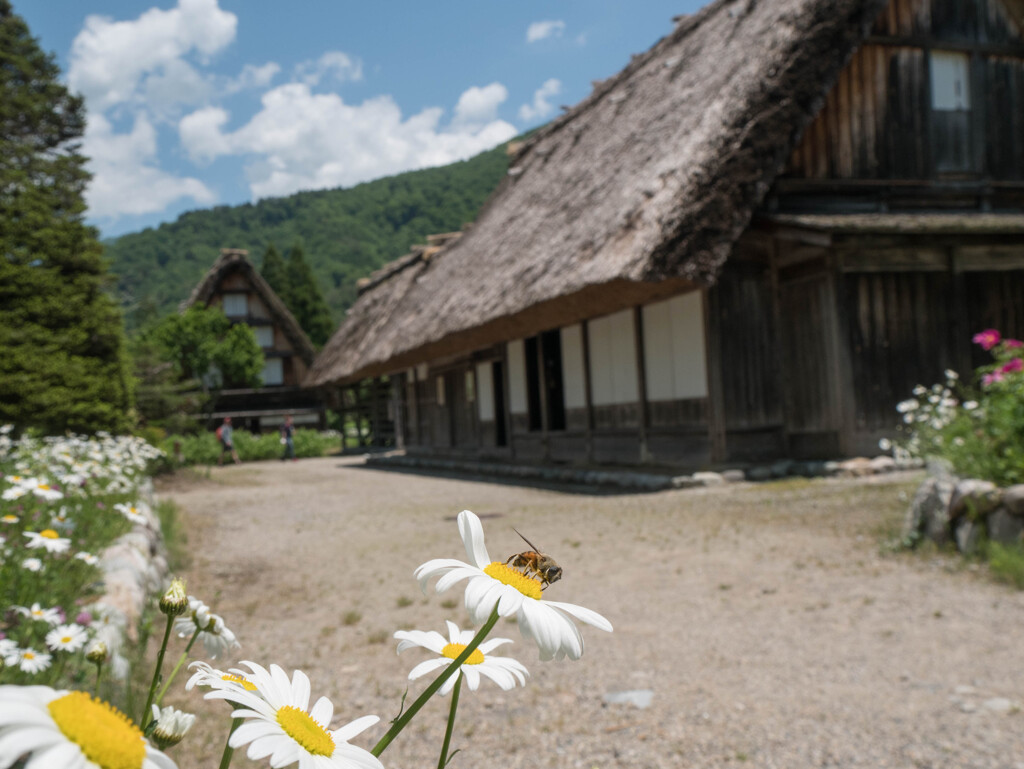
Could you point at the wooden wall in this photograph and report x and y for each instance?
(877, 122)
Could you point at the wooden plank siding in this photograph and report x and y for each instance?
(877, 123)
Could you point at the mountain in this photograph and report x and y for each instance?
(345, 233)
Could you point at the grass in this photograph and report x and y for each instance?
(351, 618)
(1006, 563)
(175, 537)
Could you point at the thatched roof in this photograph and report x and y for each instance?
(905, 224)
(651, 178)
(233, 260)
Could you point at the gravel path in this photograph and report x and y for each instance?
(766, 621)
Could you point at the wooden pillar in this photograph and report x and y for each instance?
(507, 416)
(641, 376)
(587, 392)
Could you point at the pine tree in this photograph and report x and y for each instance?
(63, 365)
(275, 272)
(307, 303)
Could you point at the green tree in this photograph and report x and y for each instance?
(307, 303)
(204, 346)
(275, 272)
(63, 365)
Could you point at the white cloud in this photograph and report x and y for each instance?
(541, 107)
(252, 76)
(335, 65)
(110, 60)
(301, 140)
(125, 180)
(539, 30)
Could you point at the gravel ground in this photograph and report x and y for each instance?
(766, 620)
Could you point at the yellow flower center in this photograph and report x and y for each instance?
(298, 725)
(9, 519)
(28, 656)
(249, 685)
(105, 735)
(43, 486)
(452, 651)
(65, 639)
(505, 574)
(49, 534)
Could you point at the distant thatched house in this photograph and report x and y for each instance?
(751, 242)
(234, 285)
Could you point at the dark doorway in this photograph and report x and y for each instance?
(498, 377)
(535, 416)
(551, 359)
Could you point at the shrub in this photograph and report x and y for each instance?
(204, 449)
(978, 428)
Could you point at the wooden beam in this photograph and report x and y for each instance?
(716, 408)
(587, 391)
(641, 376)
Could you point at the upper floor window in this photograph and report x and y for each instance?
(264, 336)
(951, 88)
(236, 305)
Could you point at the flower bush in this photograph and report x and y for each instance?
(978, 427)
(272, 714)
(62, 501)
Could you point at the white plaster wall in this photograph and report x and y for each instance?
(485, 392)
(674, 356)
(573, 385)
(613, 373)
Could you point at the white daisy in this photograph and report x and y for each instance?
(70, 729)
(89, 558)
(216, 637)
(48, 539)
(35, 611)
(171, 726)
(135, 514)
(205, 675)
(9, 518)
(285, 728)
(30, 661)
(43, 490)
(495, 584)
(67, 638)
(32, 564)
(504, 671)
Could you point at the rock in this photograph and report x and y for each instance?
(856, 467)
(708, 478)
(998, 705)
(759, 473)
(974, 499)
(684, 482)
(641, 698)
(928, 514)
(781, 468)
(733, 476)
(966, 535)
(939, 468)
(883, 464)
(1013, 499)
(1005, 528)
(833, 468)
(810, 469)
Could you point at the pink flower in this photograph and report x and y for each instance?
(988, 338)
(1012, 365)
(1012, 344)
(995, 376)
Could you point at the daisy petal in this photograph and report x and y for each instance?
(472, 533)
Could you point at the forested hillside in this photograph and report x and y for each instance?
(345, 233)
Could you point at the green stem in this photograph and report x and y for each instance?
(225, 759)
(177, 667)
(99, 677)
(401, 722)
(146, 715)
(442, 762)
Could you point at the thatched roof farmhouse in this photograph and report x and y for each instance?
(752, 241)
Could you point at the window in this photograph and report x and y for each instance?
(951, 113)
(440, 385)
(273, 372)
(264, 336)
(236, 305)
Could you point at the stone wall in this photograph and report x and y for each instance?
(962, 510)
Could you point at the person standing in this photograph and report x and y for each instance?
(288, 438)
(225, 436)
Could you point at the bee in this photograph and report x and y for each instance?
(535, 562)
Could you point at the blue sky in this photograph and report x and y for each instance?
(196, 103)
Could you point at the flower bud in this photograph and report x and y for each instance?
(97, 652)
(174, 602)
(171, 726)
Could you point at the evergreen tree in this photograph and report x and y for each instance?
(275, 272)
(307, 303)
(63, 365)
